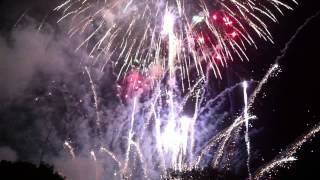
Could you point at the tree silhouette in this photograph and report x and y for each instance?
(206, 173)
(26, 170)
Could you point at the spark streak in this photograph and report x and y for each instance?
(113, 156)
(246, 118)
(95, 97)
(130, 135)
(288, 154)
(70, 148)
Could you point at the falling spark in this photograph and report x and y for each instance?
(93, 155)
(70, 148)
(95, 97)
(288, 154)
(246, 118)
(130, 135)
(113, 156)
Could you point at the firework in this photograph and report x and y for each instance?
(172, 34)
(154, 46)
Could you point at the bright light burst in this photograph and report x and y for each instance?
(152, 46)
(132, 34)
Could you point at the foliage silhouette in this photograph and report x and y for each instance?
(26, 170)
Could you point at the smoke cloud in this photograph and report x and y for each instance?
(7, 154)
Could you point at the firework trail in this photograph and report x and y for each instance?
(130, 135)
(246, 118)
(287, 156)
(70, 148)
(93, 155)
(95, 97)
(294, 36)
(20, 18)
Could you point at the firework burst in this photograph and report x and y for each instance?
(173, 35)
(152, 46)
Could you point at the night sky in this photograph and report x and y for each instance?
(287, 108)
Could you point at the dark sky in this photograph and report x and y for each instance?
(291, 105)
